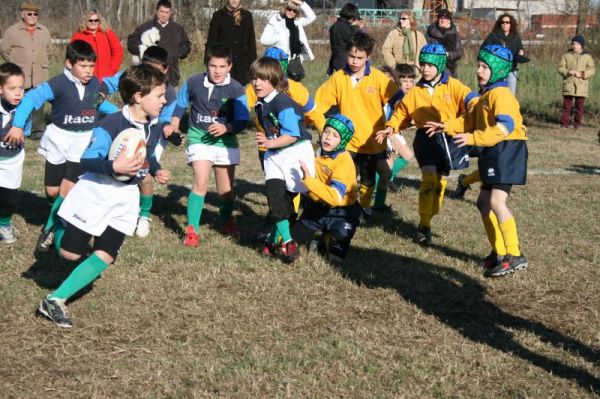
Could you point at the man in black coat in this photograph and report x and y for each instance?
(347, 24)
(173, 38)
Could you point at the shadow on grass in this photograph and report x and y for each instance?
(399, 227)
(33, 208)
(250, 223)
(49, 271)
(585, 169)
(460, 302)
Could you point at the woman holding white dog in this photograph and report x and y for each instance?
(94, 30)
(286, 30)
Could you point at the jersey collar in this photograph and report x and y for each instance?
(443, 80)
(347, 70)
(127, 115)
(502, 83)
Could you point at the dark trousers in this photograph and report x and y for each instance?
(565, 117)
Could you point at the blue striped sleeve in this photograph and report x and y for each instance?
(507, 121)
(106, 107)
(289, 121)
(94, 159)
(99, 144)
(183, 101)
(395, 98)
(167, 112)
(110, 84)
(309, 106)
(241, 116)
(34, 99)
(471, 96)
(339, 186)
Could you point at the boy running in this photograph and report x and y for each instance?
(218, 112)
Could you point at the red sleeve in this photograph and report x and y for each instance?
(77, 36)
(116, 51)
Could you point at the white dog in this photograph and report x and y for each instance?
(151, 37)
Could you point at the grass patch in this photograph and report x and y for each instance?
(397, 320)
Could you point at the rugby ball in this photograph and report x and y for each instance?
(134, 143)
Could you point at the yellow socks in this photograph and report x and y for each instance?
(440, 189)
(509, 234)
(427, 196)
(494, 235)
(296, 202)
(471, 178)
(365, 195)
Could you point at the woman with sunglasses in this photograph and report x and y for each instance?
(94, 30)
(286, 30)
(506, 34)
(404, 43)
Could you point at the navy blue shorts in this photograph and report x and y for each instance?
(504, 163)
(366, 166)
(439, 151)
(341, 221)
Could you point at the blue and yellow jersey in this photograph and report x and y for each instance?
(495, 117)
(362, 101)
(335, 180)
(423, 103)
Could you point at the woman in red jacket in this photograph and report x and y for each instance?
(109, 52)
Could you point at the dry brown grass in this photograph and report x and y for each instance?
(397, 321)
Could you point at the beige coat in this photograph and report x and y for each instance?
(571, 61)
(29, 51)
(392, 48)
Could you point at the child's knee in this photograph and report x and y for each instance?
(69, 255)
(52, 192)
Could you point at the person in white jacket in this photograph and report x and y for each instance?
(286, 30)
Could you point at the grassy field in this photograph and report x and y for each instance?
(396, 321)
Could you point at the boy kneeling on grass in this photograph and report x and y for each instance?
(496, 125)
(331, 206)
(99, 205)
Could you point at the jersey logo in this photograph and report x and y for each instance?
(371, 90)
(87, 116)
(491, 172)
(447, 98)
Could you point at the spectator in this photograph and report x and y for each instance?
(28, 44)
(286, 30)
(444, 32)
(94, 30)
(576, 67)
(348, 22)
(233, 26)
(506, 34)
(173, 38)
(404, 43)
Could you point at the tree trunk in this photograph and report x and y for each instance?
(582, 13)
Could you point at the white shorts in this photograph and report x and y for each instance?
(11, 171)
(283, 165)
(213, 153)
(59, 146)
(98, 201)
(400, 137)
